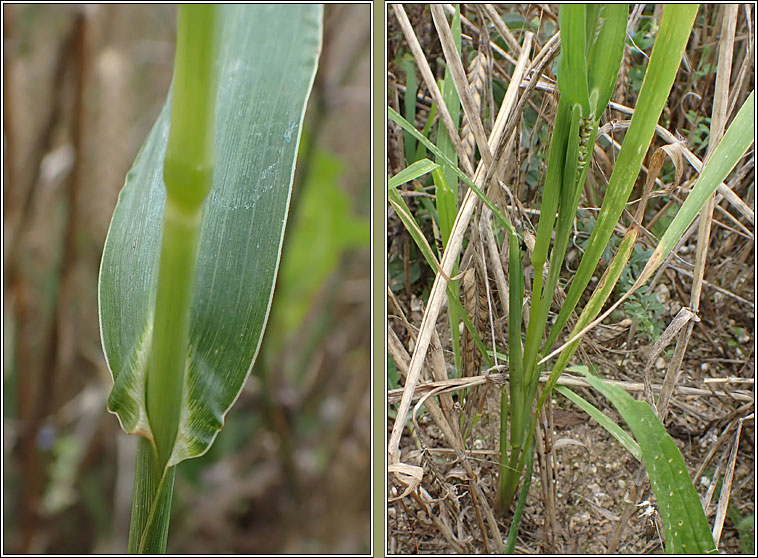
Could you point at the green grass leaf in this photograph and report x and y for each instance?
(266, 65)
(572, 63)
(659, 77)
(613, 429)
(686, 528)
(727, 154)
(606, 55)
(405, 125)
(412, 172)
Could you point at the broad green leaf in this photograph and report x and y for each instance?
(412, 172)
(266, 65)
(686, 528)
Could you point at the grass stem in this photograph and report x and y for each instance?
(188, 177)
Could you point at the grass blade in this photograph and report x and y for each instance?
(606, 56)
(729, 151)
(180, 337)
(405, 125)
(412, 172)
(613, 429)
(686, 528)
(411, 91)
(257, 133)
(521, 503)
(572, 66)
(659, 77)
(517, 383)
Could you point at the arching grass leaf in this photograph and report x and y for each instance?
(686, 528)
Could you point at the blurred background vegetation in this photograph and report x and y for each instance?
(82, 85)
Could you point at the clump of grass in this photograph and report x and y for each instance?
(593, 39)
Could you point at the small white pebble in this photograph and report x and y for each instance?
(662, 293)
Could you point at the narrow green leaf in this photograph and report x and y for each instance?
(572, 65)
(447, 203)
(266, 64)
(510, 543)
(154, 536)
(516, 301)
(520, 407)
(552, 190)
(727, 154)
(411, 91)
(613, 429)
(664, 63)
(405, 125)
(542, 300)
(589, 312)
(606, 56)
(686, 528)
(431, 118)
(447, 197)
(412, 172)
(151, 502)
(406, 216)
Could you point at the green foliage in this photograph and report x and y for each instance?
(639, 44)
(647, 313)
(253, 174)
(687, 530)
(407, 65)
(745, 526)
(324, 229)
(393, 378)
(412, 172)
(592, 40)
(642, 307)
(396, 270)
(699, 130)
(614, 429)
(180, 339)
